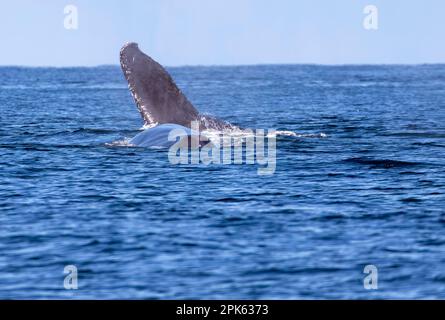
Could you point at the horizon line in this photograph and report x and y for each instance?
(229, 65)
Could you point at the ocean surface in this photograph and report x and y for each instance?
(361, 182)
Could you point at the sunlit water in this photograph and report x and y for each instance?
(359, 180)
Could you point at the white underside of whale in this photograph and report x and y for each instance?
(158, 137)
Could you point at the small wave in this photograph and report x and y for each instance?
(416, 134)
(381, 163)
(105, 86)
(300, 135)
(429, 144)
(411, 200)
(94, 130)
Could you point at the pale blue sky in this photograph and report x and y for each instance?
(203, 32)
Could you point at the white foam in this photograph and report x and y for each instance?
(148, 126)
(300, 135)
(120, 143)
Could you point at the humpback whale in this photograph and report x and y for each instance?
(160, 102)
(174, 123)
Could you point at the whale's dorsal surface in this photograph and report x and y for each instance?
(157, 97)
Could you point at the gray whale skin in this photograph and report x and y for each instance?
(160, 102)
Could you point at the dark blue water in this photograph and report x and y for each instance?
(370, 192)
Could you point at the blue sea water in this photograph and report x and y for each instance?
(362, 183)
